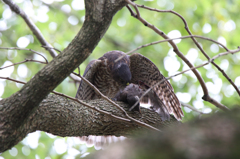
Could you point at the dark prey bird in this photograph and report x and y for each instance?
(110, 77)
(133, 92)
(130, 95)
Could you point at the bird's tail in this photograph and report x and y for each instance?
(100, 142)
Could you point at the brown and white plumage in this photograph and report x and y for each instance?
(144, 70)
(100, 141)
(110, 77)
(101, 74)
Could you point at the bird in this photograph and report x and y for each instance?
(112, 73)
(132, 94)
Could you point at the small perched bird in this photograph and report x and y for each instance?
(110, 77)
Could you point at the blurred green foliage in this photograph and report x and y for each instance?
(218, 20)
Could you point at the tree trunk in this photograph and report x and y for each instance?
(17, 109)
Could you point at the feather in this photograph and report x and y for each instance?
(144, 70)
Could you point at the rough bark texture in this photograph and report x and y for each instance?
(63, 117)
(16, 110)
(217, 136)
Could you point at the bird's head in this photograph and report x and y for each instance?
(121, 73)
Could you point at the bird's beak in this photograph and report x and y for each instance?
(127, 83)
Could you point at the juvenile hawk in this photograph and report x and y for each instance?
(111, 77)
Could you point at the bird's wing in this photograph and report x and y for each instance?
(85, 92)
(144, 70)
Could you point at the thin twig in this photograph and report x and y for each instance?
(191, 107)
(48, 47)
(10, 79)
(210, 60)
(226, 53)
(196, 43)
(161, 41)
(17, 48)
(26, 60)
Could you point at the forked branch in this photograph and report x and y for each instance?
(206, 96)
(162, 34)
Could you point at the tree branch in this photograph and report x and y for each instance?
(63, 117)
(216, 136)
(129, 118)
(166, 40)
(16, 48)
(195, 42)
(206, 96)
(191, 107)
(175, 48)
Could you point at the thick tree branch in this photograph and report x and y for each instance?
(21, 105)
(63, 117)
(117, 106)
(214, 137)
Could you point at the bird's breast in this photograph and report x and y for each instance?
(106, 84)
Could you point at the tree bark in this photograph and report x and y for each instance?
(17, 109)
(214, 137)
(64, 117)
